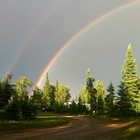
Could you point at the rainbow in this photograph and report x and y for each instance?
(32, 35)
(68, 43)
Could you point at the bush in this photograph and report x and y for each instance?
(19, 109)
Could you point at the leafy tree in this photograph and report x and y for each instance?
(21, 86)
(76, 97)
(100, 97)
(62, 96)
(46, 91)
(85, 96)
(6, 79)
(91, 90)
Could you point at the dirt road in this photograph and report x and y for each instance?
(79, 128)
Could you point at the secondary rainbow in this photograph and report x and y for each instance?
(32, 35)
(95, 21)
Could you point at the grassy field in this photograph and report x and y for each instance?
(41, 121)
(132, 133)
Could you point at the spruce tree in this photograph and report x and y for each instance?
(110, 99)
(129, 72)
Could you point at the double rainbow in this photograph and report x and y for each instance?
(68, 43)
(34, 32)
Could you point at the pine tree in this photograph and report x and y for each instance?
(130, 73)
(132, 95)
(36, 98)
(110, 99)
(123, 101)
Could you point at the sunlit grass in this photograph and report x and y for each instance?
(131, 134)
(39, 122)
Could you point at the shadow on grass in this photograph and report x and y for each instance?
(39, 122)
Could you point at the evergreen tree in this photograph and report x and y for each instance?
(123, 101)
(6, 91)
(130, 79)
(52, 95)
(129, 72)
(36, 98)
(19, 107)
(110, 98)
(73, 108)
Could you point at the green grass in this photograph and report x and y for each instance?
(39, 122)
(131, 134)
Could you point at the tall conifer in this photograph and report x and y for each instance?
(130, 80)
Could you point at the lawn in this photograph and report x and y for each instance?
(41, 121)
(132, 133)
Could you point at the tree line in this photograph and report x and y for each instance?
(16, 104)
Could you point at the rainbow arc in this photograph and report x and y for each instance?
(73, 38)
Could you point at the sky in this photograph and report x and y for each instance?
(32, 32)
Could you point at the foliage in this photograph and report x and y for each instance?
(62, 94)
(73, 108)
(36, 98)
(110, 99)
(91, 91)
(48, 91)
(18, 106)
(85, 97)
(21, 85)
(15, 103)
(131, 95)
(6, 91)
(100, 97)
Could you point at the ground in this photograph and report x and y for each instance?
(78, 128)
